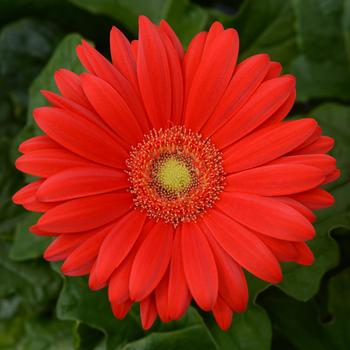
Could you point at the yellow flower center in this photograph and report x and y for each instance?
(174, 175)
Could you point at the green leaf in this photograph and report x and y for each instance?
(186, 18)
(250, 330)
(78, 303)
(64, 56)
(339, 306)
(265, 27)
(33, 281)
(27, 245)
(189, 332)
(35, 334)
(298, 322)
(323, 36)
(86, 337)
(24, 47)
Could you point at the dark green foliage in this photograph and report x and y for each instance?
(42, 310)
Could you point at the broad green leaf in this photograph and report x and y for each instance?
(322, 30)
(186, 338)
(186, 18)
(24, 47)
(35, 334)
(265, 27)
(189, 332)
(78, 303)
(250, 330)
(64, 56)
(27, 245)
(33, 281)
(86, 337)
(299, 323)
(339, 307)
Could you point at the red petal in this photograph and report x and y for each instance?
(316, 198)
(148, 312)
(223, 314)
(120, 310)
(118, 287)
(281, 112)
(162, 300)
(151, 261)
(275, 69)
(266, 215)
(322, 145)
(165, 27)
(79, 134)
(199, 266)
(122, 56)
(69, 85)
(85, 253)
(244, 247)
(36, 231)
(232, 283)
(29, 201)
(47, 162)
(134, 48)
(299, 207)
(94, 283)
(112, 108)
(268, 97)
(66, 104)
(247, 77)
(267, 144)
(311, 139)
(323, 162)
(214, 31)
(332, 176)
(211, 79)
(154, 74)
(118, 244)
(87, 213)
(283, 250)
(81, 182)
(176, 80)
(97, 64)
(38, 143)
(304, 254)
(192, 60)
(275, 180)
(178, 294)
(63, 245)
(27, 192)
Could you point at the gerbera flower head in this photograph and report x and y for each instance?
(164, 174)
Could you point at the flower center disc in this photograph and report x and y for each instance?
(175, 175)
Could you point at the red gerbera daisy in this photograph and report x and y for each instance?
(164, 174)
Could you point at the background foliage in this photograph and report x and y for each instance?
(42, 310)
